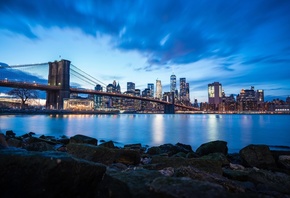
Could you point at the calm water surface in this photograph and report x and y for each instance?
(157, 129)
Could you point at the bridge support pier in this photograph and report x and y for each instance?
(58, 75)
(169, 109)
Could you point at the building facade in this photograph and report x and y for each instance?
(158, 89)
(172, 83)
(215, 95)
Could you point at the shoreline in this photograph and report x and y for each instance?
(114, 111)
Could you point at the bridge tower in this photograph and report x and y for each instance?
(58, 75)
(169, 108)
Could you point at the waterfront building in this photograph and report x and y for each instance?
(130, 86)
(97, 98)
(150, 86)
(260, 96)
(158, 89)
(247, 100)
(182, 92)
(288, 100)
(172, 83)
(78, 104)
(214, 95)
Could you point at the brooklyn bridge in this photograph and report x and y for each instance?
(58, 87)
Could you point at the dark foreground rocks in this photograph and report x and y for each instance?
(78, 167)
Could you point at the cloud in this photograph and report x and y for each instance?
(167, 32)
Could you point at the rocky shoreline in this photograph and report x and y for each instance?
(82, 166)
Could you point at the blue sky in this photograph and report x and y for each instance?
(237, 43)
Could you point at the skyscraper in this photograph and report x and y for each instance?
(215, 93)
(130, 87)
(158, 89)
(182, 91)
(172, 83)
(150, 86)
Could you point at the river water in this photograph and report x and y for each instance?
(156, 129)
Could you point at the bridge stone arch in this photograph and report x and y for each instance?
(58, 75)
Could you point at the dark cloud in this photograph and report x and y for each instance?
(166, 32)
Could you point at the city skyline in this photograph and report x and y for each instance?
(239, 44)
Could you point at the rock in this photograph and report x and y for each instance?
(168, 172)
(133, 146)
(192, 155)
(131, 183)
(210, 166)
(213, 147)
(129, 157)
(217, 156)
(10, 134)
(169, 149)
(236, 166)
(184, 147)
(270, 181)
(92, 153)
(109, 144)
(14, 142)
(239, 175)
(185, 187)
(284, 160)
(83, 139)
(3, 142)
(154, 150)
(39, 146)
(194, 173)
(258, 156)
(47, 174)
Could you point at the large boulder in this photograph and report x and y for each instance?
(83, 139)
(47, 174)
(130, 183)
(207, 165)
(284, 161)
(170, 149)
(103, 154)
(217, 146)
(185, 187)
(93, 153)
(258, 156)
(267, 181)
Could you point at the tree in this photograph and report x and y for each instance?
(23, 94)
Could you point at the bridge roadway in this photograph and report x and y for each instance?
(42, 87)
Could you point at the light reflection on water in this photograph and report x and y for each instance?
(157, 129)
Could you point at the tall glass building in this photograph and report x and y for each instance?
(150, 86)
(158, 89)
(215, 93)
(172, 83)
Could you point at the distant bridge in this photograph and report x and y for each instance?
(58, 87)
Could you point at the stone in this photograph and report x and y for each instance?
(109, 144)
(258, 156)
(207, 165)
(185, 187)
(217, 156)
(184, 147)
(212, 147)
(284, 161)
(14, 142)
(153, 150)
(130, 183)
(92, 153)
(270, 181)
(48, 174)
(129, 157)
(194, 173)
(3, 142)
(10, 134)
(39, 146)
(239, 175)
(83, 139)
